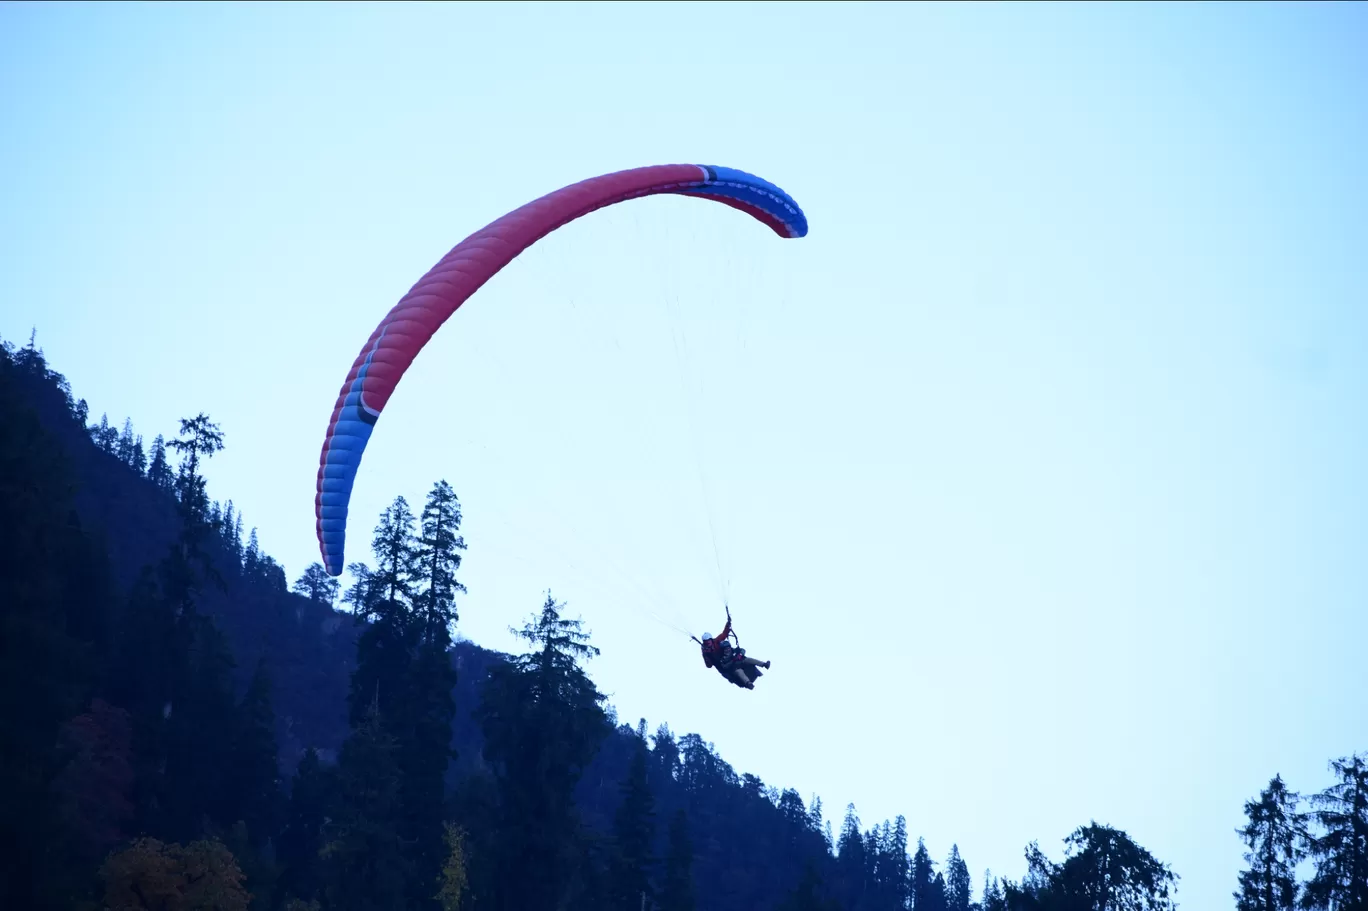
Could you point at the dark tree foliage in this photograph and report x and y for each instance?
(436, 558)
(676, 887)
(1339, 849)
(928, 888)
(158, 468)
(1103, 870)
(160, 678)
(959, 886)
(199, 439)
(301, 840)
(634, 837)
(809, 894)
(543, 722)
(1273, 838)
(52, 582)
(316, 585)
(366, 869)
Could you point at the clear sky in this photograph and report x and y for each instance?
(1037, 467)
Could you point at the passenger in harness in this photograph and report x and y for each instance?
(732, 663)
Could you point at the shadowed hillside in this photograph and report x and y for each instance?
(186, 728)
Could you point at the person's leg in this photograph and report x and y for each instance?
(740, 674)
(748, 661)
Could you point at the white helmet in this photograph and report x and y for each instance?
(707, 636)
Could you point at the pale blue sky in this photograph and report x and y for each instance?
(1037, 468)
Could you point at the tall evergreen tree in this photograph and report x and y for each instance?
(1103, 868)
(363, 849)
(927, 895)
(316, 585)
(993, 897)
(634, 835)
(104, 435)
(959, 885)
(138, 461)
(677, 888)
(1273, 837)
(158, 468)
(1339, 849)
(543, 721)
(436, 558)
(123, 448)
(396, 555)
(201, 722)
(808, 894)
(852, 865)
(199, 439)
(49, 604)
(301, 841)
(251, 556)
(254, 780)
(423, 728)
(388, 642)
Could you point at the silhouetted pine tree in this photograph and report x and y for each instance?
(201, 724)
(677, 888)
(254, 774)
(994, 898)
(382, 603)
(424, 738)
(123, 447)
(808, 895)
(316, 585)
(437, 557)
(301, 840)
(52, 599)
(138, 457)
(852, 864)
(959, 886)
(543, 721)
(1339, 849)
(103, 434)
(363, 850)
(1103, 868)
(1273, 836)
(158, 468)
(634, 834)
(927, 893)
(251, 555)
(199, 439)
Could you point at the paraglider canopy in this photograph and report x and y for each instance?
(409, 325)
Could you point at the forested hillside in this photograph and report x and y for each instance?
(187, 728)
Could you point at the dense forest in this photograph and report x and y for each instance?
(186, 729)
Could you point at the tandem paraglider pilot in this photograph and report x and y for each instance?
(731, 662)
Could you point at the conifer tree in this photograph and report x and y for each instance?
(959, 886)
(123, 449)
(676, 890)
(852, 863)
(254, 781)
(634, 834)
(363, 849)
(437, 557)
(158, 468)
(301, 841)
(104, 435)
(1339, 850)
(316, 585)
(138, 462)
(1273, 839)
(199, 439)
(925, 895)
(543, 721)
